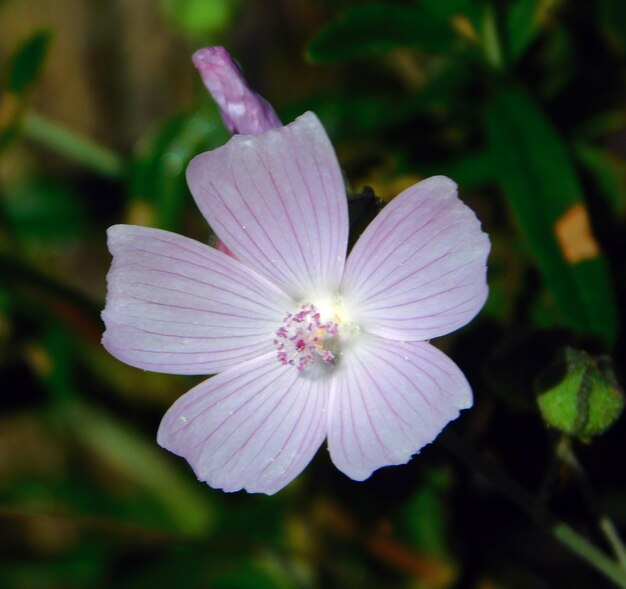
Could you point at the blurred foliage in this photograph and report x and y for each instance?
(522, 102)
(198, 17)
(157, 171)
(539, 182)
(26, 63)
(379, 26)
(20, 75)
(29, 205)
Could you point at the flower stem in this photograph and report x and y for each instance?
(608, 529)
(610, 532)
(73, 146)
(571, 539)
(588, 552)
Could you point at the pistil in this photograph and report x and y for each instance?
(304, 337)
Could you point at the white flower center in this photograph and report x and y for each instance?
(311, 334)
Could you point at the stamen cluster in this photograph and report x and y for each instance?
(303, 337)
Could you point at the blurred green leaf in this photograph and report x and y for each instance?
(45, 295)
(145, 463)
(506, 267)
(22, 71)
(470, 170)
(378, 27)
(27, 62)
(558, 58)
(359, 115)
(151, 388)
(6, 301)
(43, 211)
(602, 125)
(425, 516)
(81, 568)
(363, 113)
(611, 15)
(545, 197)
(199, 16)
(263, 573)
(73, 146)
(157, 173)
(219, 565)
(523, 24)
(608, 171)
(10, 131)
(471, 9)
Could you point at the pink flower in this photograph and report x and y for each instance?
(306, 345)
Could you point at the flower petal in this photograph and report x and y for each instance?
(175, 305)
(278, 202)
(243, 110)
(419, 269)
(389, 399)
(253, 427)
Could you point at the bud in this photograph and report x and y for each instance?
(579, 394)
(242, 109)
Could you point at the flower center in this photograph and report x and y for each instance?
(304, 337)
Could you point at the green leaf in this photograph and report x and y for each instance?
(378, 27)
(425, 516)
(267, 572)
(73, 146)
(523, 22)
(471, 9)
(199, 16)
(608, 171)
(27, 62)
(11, 130)
(544, 195)
(22, 71)
(469, 170)
(81, 567)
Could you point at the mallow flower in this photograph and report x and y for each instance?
(306, 345)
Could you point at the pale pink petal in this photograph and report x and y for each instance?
(243, 110)
(419, 270)
(175, 305)
(254, 426)
(278, 203)
(389, 399)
